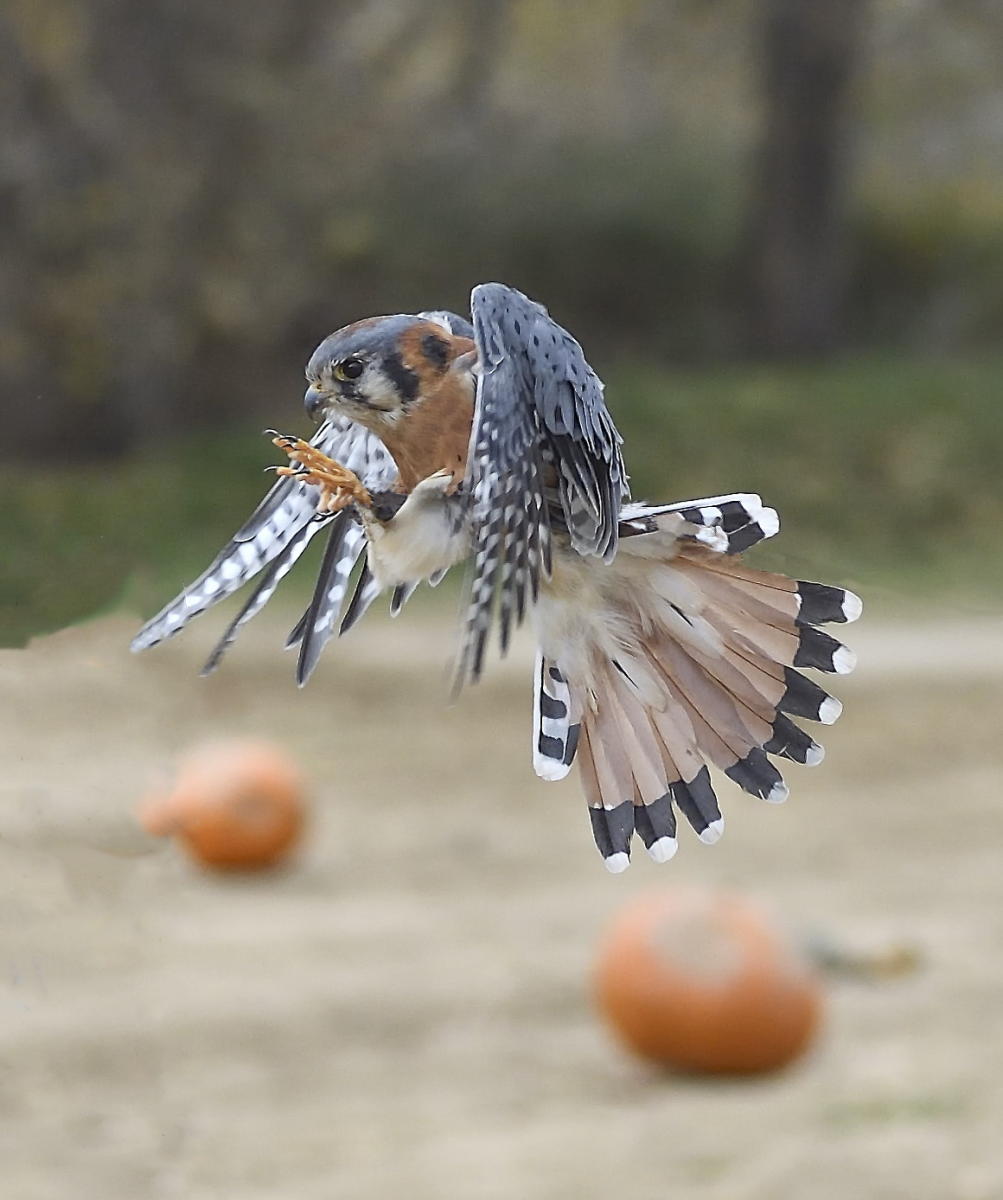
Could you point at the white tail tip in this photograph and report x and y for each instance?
(778, 793)
(814, 755)
(713, 832)
(768, 521)
(663, 849)
(843, 660)
(550, 768)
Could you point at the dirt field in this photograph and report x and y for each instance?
(405, 1011)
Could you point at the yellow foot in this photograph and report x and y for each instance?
(338, 485)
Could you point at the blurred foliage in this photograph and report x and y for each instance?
(88, 537)
(193, 195)
(882, 469)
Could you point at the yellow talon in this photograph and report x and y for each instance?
(338, 485)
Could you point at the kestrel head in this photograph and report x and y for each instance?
(375, 371)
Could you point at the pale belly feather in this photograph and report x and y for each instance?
(427, 535)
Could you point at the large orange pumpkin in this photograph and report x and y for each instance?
(235, 804)
(705, 981)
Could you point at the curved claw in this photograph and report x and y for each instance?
(338, 485)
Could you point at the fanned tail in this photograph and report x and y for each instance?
(693, 660)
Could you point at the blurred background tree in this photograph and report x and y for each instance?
(810, 54)
(193, 195)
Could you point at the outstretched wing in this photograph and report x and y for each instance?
(274, 536)
(544, 451)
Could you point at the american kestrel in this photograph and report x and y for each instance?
(658, 650)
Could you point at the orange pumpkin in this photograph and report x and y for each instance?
(235, 805)
(705, 981)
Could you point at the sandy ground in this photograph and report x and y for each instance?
(405, 1011)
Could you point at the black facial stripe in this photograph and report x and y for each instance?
(350, 392)
(436, 350)
(405, 380)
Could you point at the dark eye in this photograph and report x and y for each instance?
(351, 368)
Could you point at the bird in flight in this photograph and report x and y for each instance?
(659, 652)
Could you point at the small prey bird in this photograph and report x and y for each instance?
(659, 651)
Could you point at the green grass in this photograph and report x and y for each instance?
(885, 471)
(86, 538)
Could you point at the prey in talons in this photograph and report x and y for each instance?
(339, 486)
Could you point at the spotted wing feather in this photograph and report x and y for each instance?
(543, 448)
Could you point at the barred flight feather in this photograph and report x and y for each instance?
(340, 555)
(556, 727)
(265, 589)
(284, 518)
(366, 591)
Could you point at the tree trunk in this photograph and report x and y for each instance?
(810, 51)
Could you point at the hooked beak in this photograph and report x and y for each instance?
(314, 402)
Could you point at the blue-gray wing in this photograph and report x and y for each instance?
(544, 450)
(274, 537)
